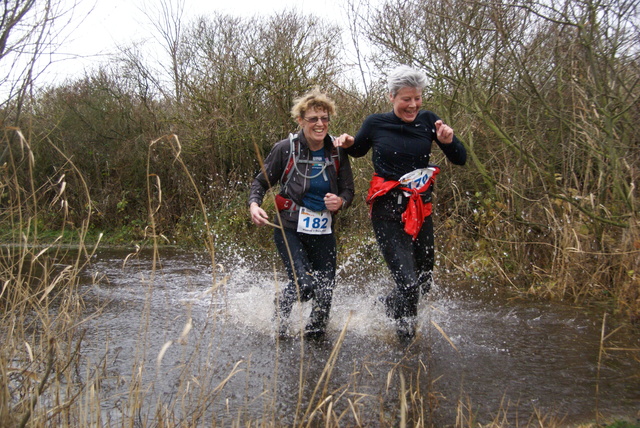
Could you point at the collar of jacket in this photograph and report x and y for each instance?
(328, 141)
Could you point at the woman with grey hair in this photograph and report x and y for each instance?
(400, 191)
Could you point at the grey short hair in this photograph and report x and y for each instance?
(405, 77)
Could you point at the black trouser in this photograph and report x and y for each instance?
(410, 262)
(314, 262)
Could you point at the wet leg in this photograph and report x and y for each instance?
(397, 249)
(424, 255)
(298, 263)
(322, 254)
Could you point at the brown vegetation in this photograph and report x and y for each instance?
(47, 379)
(544, 96)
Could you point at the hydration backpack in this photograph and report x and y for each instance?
(294, 159)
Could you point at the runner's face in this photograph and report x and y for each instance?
(315, 132)
(407, 103)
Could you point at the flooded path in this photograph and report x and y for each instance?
(171, 339)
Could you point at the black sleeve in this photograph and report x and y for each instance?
(362, 141)
(346, 187)
(274, 166)
(455, 151)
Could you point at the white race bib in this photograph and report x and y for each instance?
(314, 222)
(416, 178)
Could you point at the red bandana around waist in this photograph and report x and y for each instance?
(416, 211)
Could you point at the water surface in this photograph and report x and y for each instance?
(476, 353)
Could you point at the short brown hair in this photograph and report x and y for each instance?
(314, 99)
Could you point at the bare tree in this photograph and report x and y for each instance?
(29, 36)
(166, 17)
(292, 52)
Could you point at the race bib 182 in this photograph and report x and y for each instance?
(314, 222)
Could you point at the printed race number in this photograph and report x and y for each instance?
(416, 178)
(314, 222)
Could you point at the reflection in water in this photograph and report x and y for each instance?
(184, 343)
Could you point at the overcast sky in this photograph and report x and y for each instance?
(99, 26)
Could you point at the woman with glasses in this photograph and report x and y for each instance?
(400, 191)
(315, 183)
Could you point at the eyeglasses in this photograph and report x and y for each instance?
(315, 119)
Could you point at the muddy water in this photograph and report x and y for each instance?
(183, 336)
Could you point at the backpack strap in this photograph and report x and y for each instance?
(288, 170)
(294, 160)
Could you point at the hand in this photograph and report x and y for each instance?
(345, 141)
(258, 215)
(444, 133)
(333, 202)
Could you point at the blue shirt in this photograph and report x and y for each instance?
(319, 186)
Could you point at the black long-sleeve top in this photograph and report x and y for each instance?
(400, 147)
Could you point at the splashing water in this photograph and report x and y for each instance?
(474, 349)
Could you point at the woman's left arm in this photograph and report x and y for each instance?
(451, 146)
(346, 186)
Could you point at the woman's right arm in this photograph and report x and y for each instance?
(345, 141)
(269, 175)
(258, 215)
(360, 144)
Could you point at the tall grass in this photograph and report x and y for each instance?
(47, 379)
(543, 248)
(41, 323)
